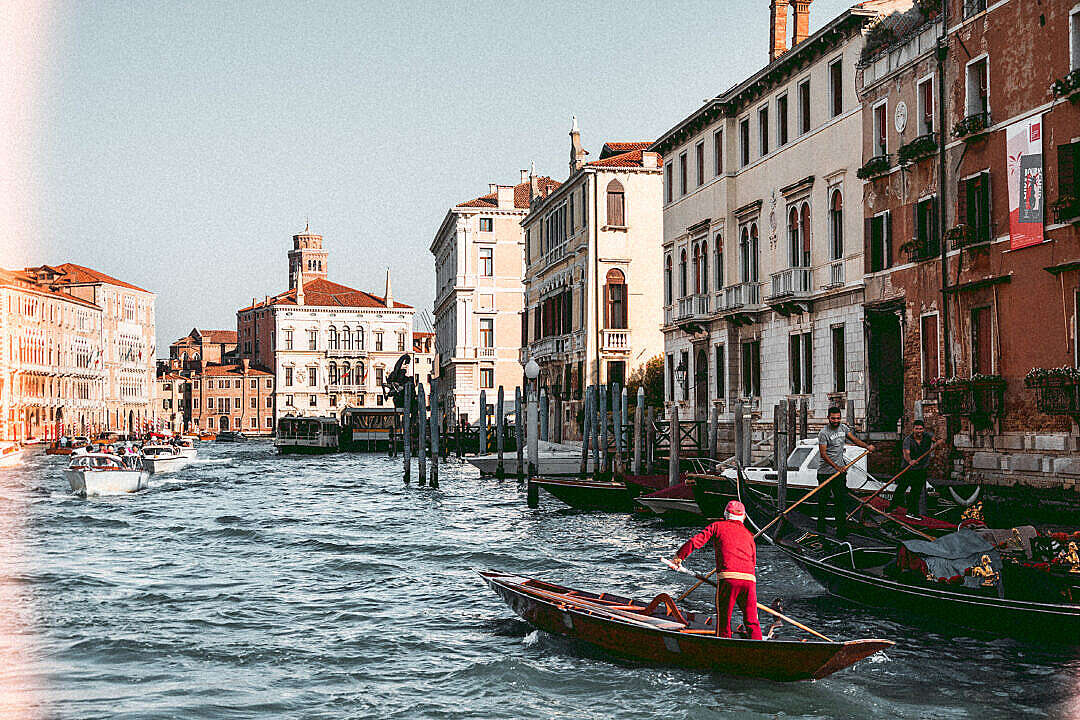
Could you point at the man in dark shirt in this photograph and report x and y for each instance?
(910, 485)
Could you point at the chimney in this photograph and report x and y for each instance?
(505, 196)
(777, 28)
(245, 365)
(524, 177)
(802, 21)
(650, 160)
(492, 188)
(534, 185)
(577, 153)
(299, 284)
(388, 297)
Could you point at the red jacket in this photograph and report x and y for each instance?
(736, 552)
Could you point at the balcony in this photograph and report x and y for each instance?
(741, 303)
(973, 127)
(693, 308)
(791, 290)
(343, 353)
(615, 340)
(836, 275)
(484, 353)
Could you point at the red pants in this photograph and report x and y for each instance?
(743, 592)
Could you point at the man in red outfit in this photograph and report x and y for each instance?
(736, 560)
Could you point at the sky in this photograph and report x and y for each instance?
(179, 145)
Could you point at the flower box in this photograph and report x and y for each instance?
(1067, 87)
(1057, 390)
(972, 127)
(954, 400)
(964, 235)
(875, 166)
(1066, 209)
(919, 148)
(917, 251)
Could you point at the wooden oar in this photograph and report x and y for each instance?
(765, 608)
(583, 603)
(801, 500)
(910, 528)
(891, 481)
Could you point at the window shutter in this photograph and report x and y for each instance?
(934, 224)
(915, 221)
(1066, 169)
(961, 202)
(888, 239)
(868, 241)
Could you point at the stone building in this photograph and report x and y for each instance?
(232, 396)
(592, 304)
(976, 273)
(762, 257)
(213, 346)
(327, 345)
(128, 339)
(425, 360)
(479, 261)
(52, 379)
(172, 397)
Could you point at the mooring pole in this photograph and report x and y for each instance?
(639, 426)
(617, 426)
(781, 440)
(650, 441)
(519, 434)
(406, 420)
(595, 430)
(421, 434)
(673, 453)
(804, 418)
(534, 435)
(602, 415)
(740, 432)
(483, 442)
(500, 469)
(714, 432)
(586, 430)
(435, 415)
(543, 415)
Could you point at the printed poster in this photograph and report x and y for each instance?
(1023, 145)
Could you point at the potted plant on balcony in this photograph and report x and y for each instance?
(1066, 208)
(1067, 87)
(1056, 389)
(877, 165)
(972, 127)
(962, 235)
(920, 147)
(917, 249)
(987, 398)
(954, 393)
(932, 388)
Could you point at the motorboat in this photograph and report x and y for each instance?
(661, 632)
(11, 454)
(99, 473)
(553, 459)
(162, 458)
(309, 435)
(186, 446)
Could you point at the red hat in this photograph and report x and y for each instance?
(735, 511)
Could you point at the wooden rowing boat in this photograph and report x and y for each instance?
(660, 632)
(602, 495)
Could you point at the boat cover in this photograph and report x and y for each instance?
(950, 555)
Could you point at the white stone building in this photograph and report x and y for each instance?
(592, 294)
(762, 259)
(479, 263)
(329, 346)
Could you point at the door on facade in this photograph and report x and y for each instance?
(131, 422)
(223, 422)
(701, 383)
(885, 354)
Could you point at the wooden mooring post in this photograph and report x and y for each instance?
(421, 434)
(483, 442)
(519, 434)
(533, 430)
(586, 431)
(650, 440)
(595, 430)
(406, 425)
(543, 415)
(639, 427)
(673, 452)
(740, 431)
(781, 440)
(500, 440)
(435, 415)
(617, 427)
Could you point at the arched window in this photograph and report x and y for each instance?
(836, 225)
(682, 273)
(616, 207)
(334, 377)
(744, 255)
(695, 269)
(703, 270)
(195, 356)
(793, 237)
(804, 234)
(183, 357)
(346, 379)
(718, 262)
(754, 253)
(359, 375)
(616, 314)
(332, 338)
(359, 338)
(667, 279)
(346, 339)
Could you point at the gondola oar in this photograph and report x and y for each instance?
(891, 481)
(794, 505)
(765, 608)
(903, 524)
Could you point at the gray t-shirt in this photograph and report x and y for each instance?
(834, 441)
(917, 449)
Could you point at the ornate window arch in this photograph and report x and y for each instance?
(718, 261)
(616, 204)
(836, 225)
(333, 369)
(360, 338)
(346, 374)
(332, 338)
(667, 279)
(346, 338)
(804, 234)
(703, 269)
(794, 245)
(682, 273)
(616, 311)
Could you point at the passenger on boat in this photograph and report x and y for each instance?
(832, 441)
(736, 561)
(910, 485)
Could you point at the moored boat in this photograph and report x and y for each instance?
(105, 474)
(603, 495)
(11, 454)
(553, 460)
(308, 435)
(660, 632)
(672, 504)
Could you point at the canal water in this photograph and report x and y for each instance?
(255, 586)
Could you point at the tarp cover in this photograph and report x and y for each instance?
(952, 554)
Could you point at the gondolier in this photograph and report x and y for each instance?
(831, 443)
(736, 563)
(910, 485)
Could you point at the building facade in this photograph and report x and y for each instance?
(592, 303)
(328, 346)
(52, 379)
(425, 360)
(479, 262)
(762, 257)
(973, 253)
(213, 346)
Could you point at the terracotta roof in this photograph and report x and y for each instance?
(231, 370)
(321, 292)
(623, 146)
(416, 334)
(81, 275)
(521, 195)
(22, 281)
(626, 159)
(218, 336)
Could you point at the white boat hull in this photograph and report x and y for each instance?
(12, 459)
(156, 466)
(189, 453)
(106, 482)
(556, 464)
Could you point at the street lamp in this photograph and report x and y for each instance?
(680, 377)
(532, 369)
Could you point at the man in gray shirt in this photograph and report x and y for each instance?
(831, 442)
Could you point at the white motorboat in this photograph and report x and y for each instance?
(163, 458)
(11, 454)
(553, 459)
(186, 445)
(106, 474)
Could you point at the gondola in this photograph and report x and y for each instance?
(673, 504)
(603, 495)
(659, 632)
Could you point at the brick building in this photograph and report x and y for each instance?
(213, 346)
